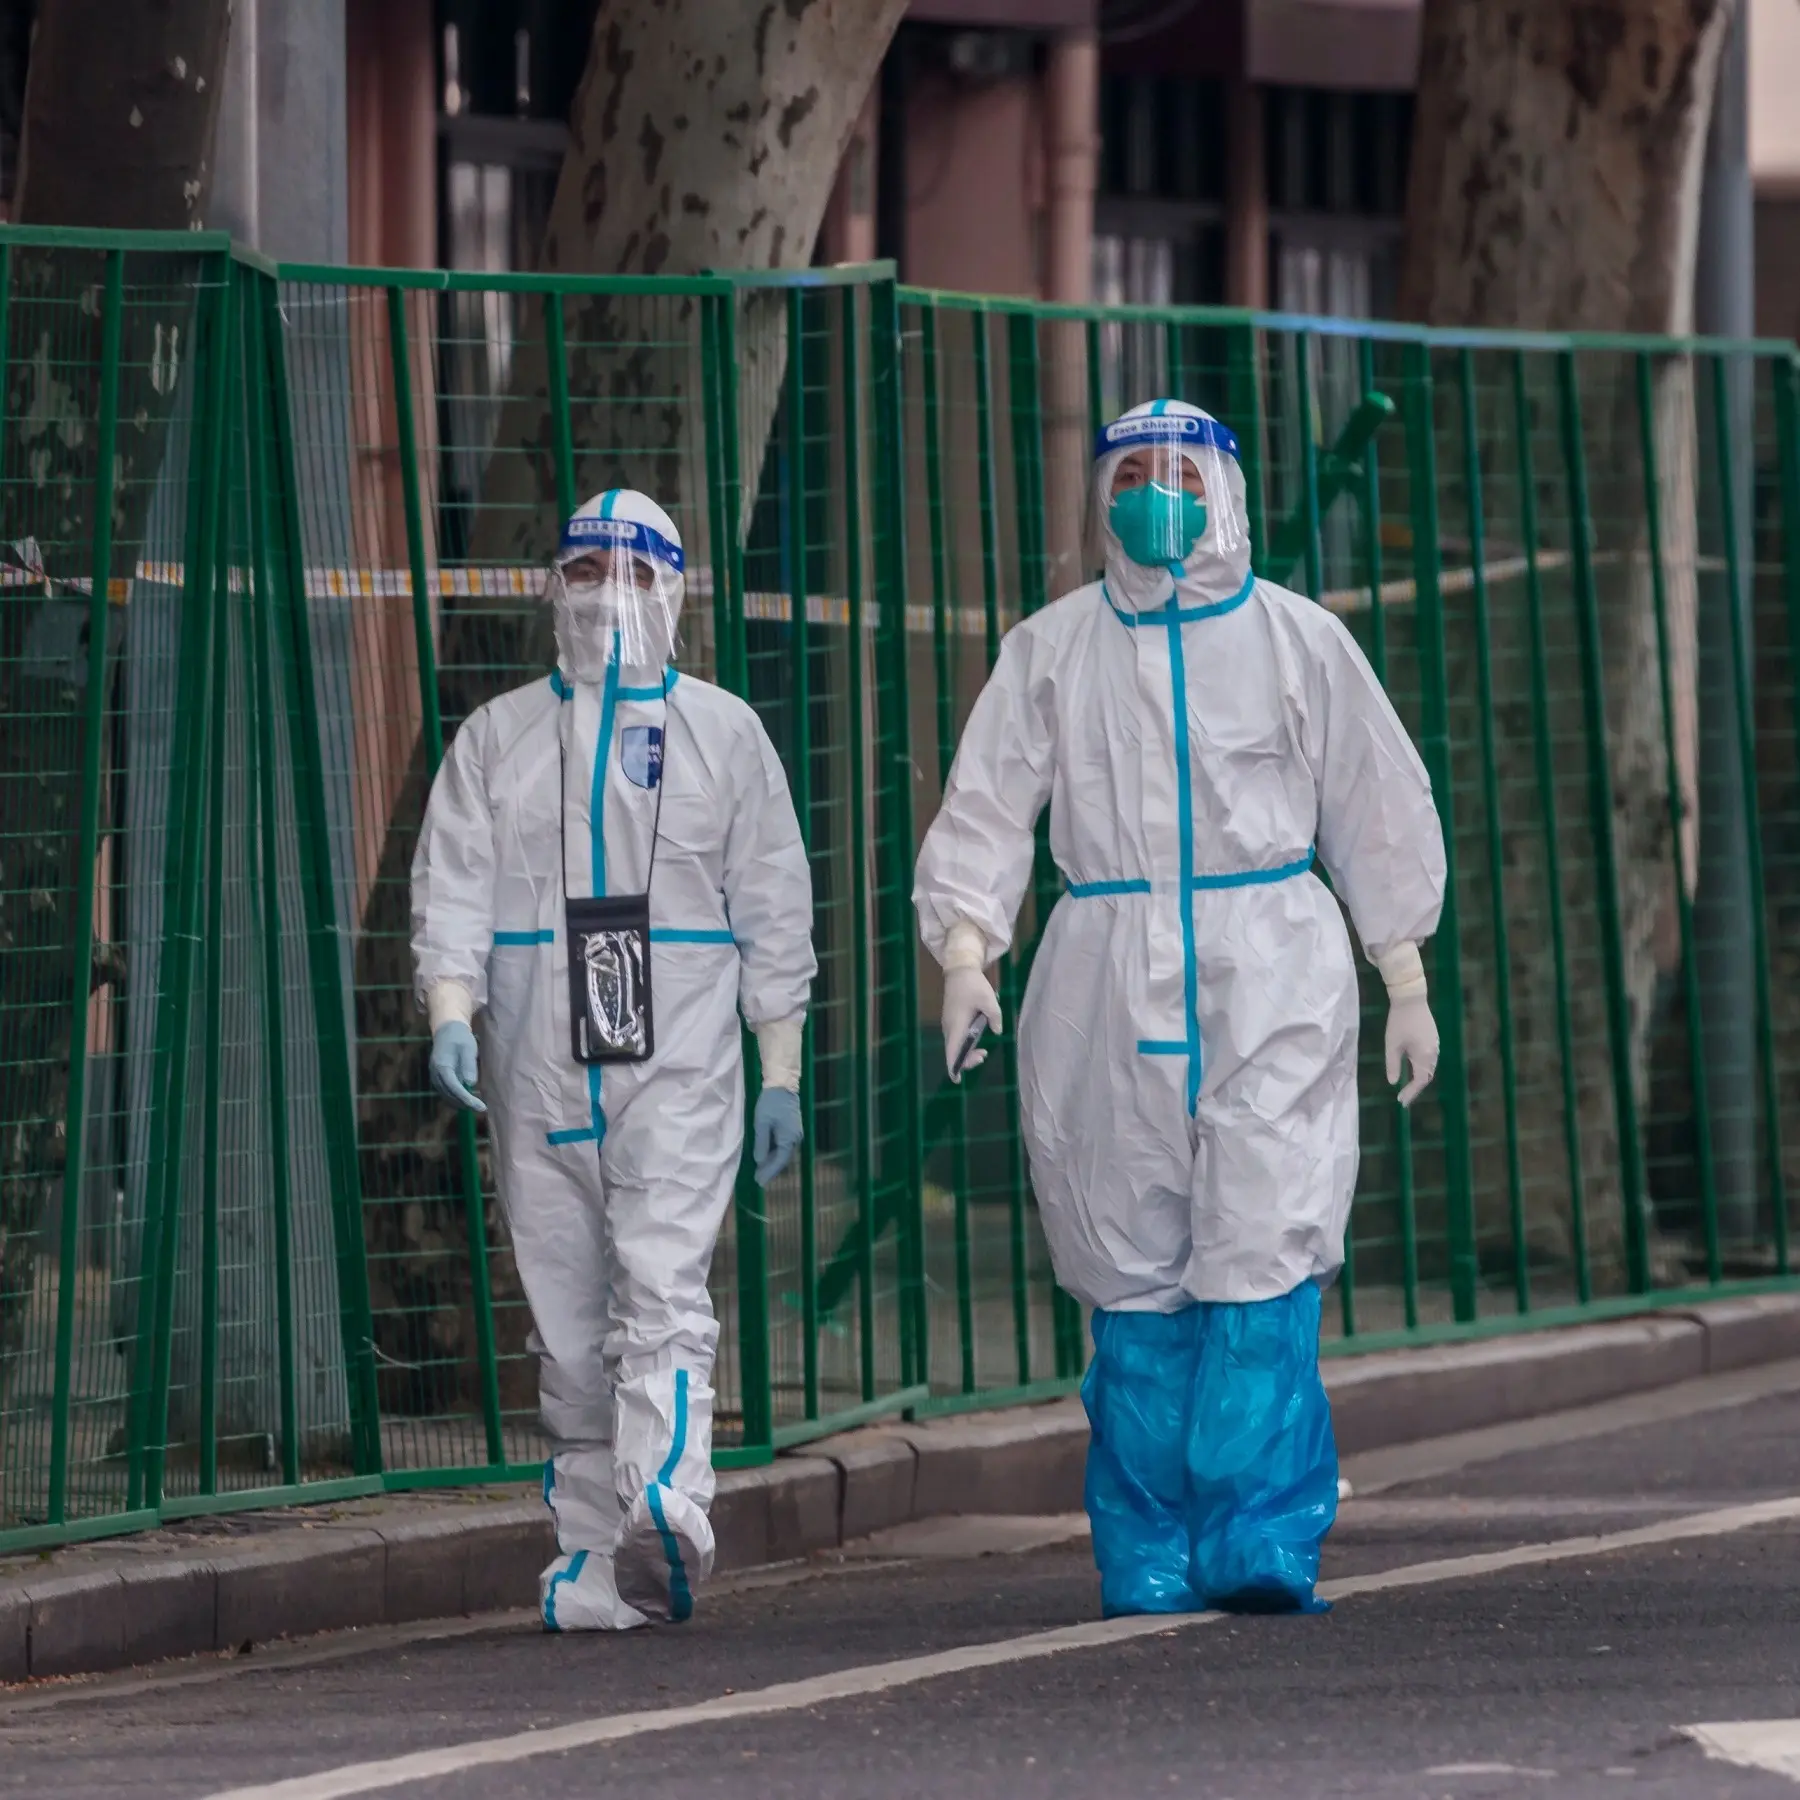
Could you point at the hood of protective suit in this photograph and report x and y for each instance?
(1218, 564)
(633, 615)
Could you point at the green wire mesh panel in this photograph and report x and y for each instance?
(245, 1254)
(96, 476)
(1531, 545)
(812, 401)
(170, 1315)
(993, 402)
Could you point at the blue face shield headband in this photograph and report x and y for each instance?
(581, 535)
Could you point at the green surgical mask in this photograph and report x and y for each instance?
(1158, 526)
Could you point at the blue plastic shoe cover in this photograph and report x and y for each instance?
(1212, 1471)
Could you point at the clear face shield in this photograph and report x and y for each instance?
(615, 583)
(1166, 486)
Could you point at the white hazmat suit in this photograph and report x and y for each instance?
(1187, 1047)
(615, 1178)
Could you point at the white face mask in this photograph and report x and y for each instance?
(587, 617)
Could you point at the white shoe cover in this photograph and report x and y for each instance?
(578, 1593)
(665, 1553)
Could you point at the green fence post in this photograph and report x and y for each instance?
(944, 671)
(1787, 428)
(718, 356)
(1600, 806)
(1025, 421)
(260, 685)
(1434, 746)
(1745, 698)
(1684, 905)
(1096, 389)
(432, 728)
(1496, 835)
(1371, 505)
(556, 354)
(721, 516)
(212, 986)
(75, 1135)
(181, 917)
(1011, 975)
(300, 701)
(867, 999)
(1406, 1197)
(1309, 465)
(889, 528)
(800, 667)
(1545, 757)
(1244, 380)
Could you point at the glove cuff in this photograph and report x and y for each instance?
(965, 947)
(449, 1003)
(778, 1046)
(1403, 969)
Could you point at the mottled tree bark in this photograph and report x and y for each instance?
(706, 134)
(1555, 185)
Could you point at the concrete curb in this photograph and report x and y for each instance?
(110, 1605)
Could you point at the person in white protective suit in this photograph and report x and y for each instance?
(617, 1100)
(1187, 1044)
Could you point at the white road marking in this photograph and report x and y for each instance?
(876, 1678)
(963, 1535)
(1492, 1768)
(1372, 1471)
(1772, 1745)
(1384, 1515)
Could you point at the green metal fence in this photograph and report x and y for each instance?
(246, 1257)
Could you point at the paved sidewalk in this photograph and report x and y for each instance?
(213, 1585)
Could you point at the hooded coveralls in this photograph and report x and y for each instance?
(1187, 1043)
(615, 1178)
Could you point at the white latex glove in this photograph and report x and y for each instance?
(968, 995)
(1412, 1033)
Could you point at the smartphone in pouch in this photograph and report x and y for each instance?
(970, 1044)
(610, 1015)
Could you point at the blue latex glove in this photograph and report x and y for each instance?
(454, 1063)
(779, 1132)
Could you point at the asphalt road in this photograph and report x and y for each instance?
(1549, 1609)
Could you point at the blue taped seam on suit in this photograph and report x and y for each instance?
(1100, 890)
(660, 934)
(681, 1599)
(563, 691)
(577, 1563)
(1185, 615)
(1184, 800)
(1301, 865)
(597, 829)
(1199, 884)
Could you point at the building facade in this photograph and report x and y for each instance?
(1251, 152)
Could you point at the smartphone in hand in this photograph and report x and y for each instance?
(970, 1044)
